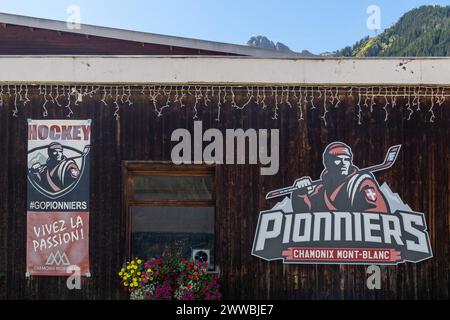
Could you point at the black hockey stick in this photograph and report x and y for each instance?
(389, 160)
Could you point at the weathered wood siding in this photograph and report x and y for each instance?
(420, 176)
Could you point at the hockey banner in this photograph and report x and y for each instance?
(58, 167)
(345, 217)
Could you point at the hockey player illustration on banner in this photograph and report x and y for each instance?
(58, 172)
(56, 175)
(58, 195)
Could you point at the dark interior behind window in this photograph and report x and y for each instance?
(170, 204)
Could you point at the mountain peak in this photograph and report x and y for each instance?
(263, 42)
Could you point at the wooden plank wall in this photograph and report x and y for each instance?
(420, 176)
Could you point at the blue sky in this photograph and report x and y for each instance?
(318, 26)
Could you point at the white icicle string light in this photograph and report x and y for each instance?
(52, 99)
(206, 100)
(437, 97)
(105, 93)
(394, 97)
(57, 97)
(312, 98)
(325, 110)
(197, 100)
(8, 91)
(153, 94)
(67, 106)
(350, 92)
(91, 92)
(78, 95)
(176, 99)
(180, 99)
(414, 103)
(287, 97)
(167, 103)
(16, 109)
(97, 90)
(282, 97)
(386, 103)
(63, 94)
(184, 94)
(128, 100)
(431, 110)
(20, 93)
(158, 93)
(442, 98)
(224, 97)
(372, 100)
(296, 97)
(27, 100)
(299, 105)
(418, 100)
(330, 94)
(233, 97)
(44, 106)
(250, 96)
(258, 96)
(337, 98)
(408, 104)
(377, 95)
(116, 105)
(122, 96)
(111, 92)
(264, 105)
(219, 105)
(1, 96)
(275, 110)
(332, 97)
(366, 97)
(305, 100)
(359, 107)
(405, 95)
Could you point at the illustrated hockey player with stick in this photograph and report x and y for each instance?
(343, 187)
(58, 172)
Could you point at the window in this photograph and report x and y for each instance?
(168, 204)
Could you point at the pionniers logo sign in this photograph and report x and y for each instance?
(343, 217)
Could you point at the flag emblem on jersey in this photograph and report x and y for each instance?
(371, 194)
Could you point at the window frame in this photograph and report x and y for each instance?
(131, 169)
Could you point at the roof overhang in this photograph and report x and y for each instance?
(223, 70)
(144, 37)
